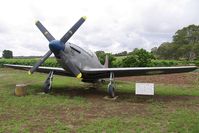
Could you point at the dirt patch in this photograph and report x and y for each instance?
(181, 78)
(98, 108)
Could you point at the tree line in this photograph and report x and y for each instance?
(184, 46)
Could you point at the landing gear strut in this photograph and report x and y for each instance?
(48, 83)
(111, 86)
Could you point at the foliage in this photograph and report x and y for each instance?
(167, 63)
(187, 35)
(117, 62)
(7, 54)
(138, 58)
(166, 51)
(185, 45)
(51, 62)
(124, 53)
(102, 55)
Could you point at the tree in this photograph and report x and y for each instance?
(124, 53)
(7, 54)
(154, 50)
(184, 45)
(138, 58)
(166, 50)
(187, 35)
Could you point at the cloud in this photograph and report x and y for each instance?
(112, 26)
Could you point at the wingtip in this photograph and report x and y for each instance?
(79, 75)
(29, 73)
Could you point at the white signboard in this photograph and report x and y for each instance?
(144, 88)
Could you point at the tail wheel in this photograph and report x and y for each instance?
(111, 91)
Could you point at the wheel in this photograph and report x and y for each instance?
(111, 91)
(47, 88)
(48, 83)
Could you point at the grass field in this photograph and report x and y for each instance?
(73, 107)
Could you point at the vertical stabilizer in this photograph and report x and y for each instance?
(106, 62)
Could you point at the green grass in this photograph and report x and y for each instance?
(72, 107)
(179, 121)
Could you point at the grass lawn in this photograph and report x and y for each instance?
(73, 106)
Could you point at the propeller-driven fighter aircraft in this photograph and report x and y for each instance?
(84, 64)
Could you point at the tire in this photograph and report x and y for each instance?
(111, 91)
(47, 88)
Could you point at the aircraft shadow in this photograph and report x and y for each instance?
(99, 93)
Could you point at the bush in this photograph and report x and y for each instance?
(138, 58)
(101, 56)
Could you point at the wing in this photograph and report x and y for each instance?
(95, 73)
(56, 70)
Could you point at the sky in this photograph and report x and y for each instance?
(112, 25)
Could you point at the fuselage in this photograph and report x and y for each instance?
(80, 57)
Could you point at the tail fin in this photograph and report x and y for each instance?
(106, 62)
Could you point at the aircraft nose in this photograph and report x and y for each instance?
(56, 46)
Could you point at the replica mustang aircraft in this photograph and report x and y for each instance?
(83, 64)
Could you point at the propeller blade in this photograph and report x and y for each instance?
(44, 31)
(74, 69)
(70, 65)
(72, 30)
(32, 70)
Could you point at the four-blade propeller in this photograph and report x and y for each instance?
(56, 46)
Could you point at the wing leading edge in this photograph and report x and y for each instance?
(134, 71)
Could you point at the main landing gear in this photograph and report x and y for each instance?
(111, 86)
(48, 83)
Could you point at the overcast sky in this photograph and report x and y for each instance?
(111, 25)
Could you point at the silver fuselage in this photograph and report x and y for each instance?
(80, 57)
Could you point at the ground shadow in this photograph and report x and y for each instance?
(99, 93)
